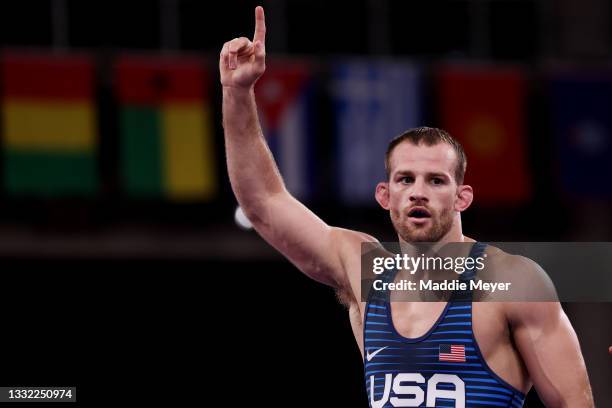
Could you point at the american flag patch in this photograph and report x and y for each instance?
(451, 352)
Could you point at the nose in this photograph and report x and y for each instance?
(418, 191)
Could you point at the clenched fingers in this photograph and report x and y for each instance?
(238, 47)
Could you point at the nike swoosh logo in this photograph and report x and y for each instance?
(371, 356)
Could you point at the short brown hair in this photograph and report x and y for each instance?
(430, 137)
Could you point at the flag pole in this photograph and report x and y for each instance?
(59, 24)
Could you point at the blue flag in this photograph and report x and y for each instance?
(374, 101)
(582, 128)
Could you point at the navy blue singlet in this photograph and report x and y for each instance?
(442, 368)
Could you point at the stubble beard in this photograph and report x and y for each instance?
(440, 226)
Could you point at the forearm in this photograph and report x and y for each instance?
(252, 171)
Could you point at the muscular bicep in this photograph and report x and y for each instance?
(301, 236)
(550, 349)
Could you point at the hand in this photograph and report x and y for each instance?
(242, 61)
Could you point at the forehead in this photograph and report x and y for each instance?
(440, 157)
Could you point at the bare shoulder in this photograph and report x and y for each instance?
(351, 243)
(532, 292)
(503, 258)
(351, 246)
(354, 245)
(509, 265)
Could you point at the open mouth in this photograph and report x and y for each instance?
(419, 213)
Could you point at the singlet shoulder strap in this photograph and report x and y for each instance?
(477, 251)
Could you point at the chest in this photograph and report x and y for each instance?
(415, 319)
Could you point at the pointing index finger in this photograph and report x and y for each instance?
(260, 25)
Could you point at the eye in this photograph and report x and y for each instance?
(406, 180)
(437, 181)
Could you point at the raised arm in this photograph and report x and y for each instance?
(308, 242)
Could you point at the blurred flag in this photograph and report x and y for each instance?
(582, 130)
(284, 97)
(166, 132)
(48, 124)
(374, 101)
(484, 108)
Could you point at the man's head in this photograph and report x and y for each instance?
(424, 191)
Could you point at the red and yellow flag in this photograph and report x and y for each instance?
(484, 108)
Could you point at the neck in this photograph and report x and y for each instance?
(440, 248)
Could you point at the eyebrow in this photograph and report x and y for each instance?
(429, 174)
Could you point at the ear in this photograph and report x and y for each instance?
(465, 196)
(382, 194)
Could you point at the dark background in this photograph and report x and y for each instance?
(153, 301)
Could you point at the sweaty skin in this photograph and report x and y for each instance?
(523, 343)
